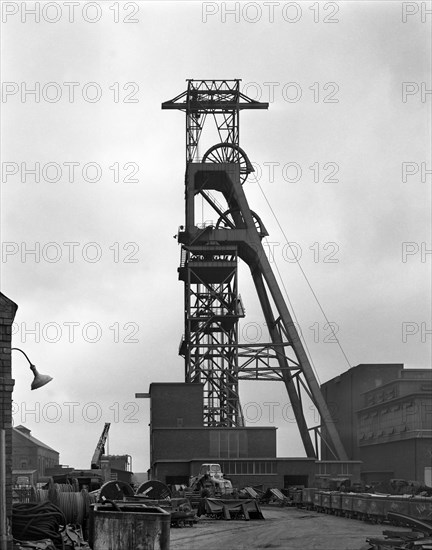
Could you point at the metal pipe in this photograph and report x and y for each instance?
(3, 516)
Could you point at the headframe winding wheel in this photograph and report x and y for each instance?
(230, 219)
(228, 152)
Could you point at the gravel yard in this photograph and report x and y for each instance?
(283, 528)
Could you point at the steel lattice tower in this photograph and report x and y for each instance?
(208, 267)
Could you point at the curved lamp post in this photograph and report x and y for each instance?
(39, 379)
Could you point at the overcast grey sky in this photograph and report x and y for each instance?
(342, 155)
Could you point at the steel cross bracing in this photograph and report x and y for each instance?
(219, 99)
(208, 268)
(212, 310)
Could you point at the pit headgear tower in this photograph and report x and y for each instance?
(208, 266)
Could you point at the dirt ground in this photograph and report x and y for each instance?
(283, 528)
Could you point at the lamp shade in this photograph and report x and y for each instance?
(39, 379)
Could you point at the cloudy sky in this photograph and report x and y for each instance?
(93, 176)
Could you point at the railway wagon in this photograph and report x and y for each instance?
(365, 506)
(326, 502)
(421, 508)
(348, 504)
(376, 509)
(308, 497)
(360, 505)
(318, 500)
(380, 505)
(398, 504)
(336, 503)
(297, 497)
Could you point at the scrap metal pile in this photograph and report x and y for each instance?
(218, 508)
(150, 493)
(60, 517)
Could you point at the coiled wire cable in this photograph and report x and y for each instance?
(37, 521)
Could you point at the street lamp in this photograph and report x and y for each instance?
(39, 379)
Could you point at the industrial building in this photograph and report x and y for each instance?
(31, 458)
(180, 443)
(383, 413)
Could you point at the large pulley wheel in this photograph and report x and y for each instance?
(231, 219)
(228, 152)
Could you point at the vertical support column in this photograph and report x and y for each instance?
(7, 315)
(211, 330)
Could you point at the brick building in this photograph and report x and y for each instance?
(7, 314)
(31, 454)
(383, 413)
(180, 443)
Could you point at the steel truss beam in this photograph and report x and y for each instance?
(222, 100)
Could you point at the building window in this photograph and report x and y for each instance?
(322, 468)
(250, 467)
(228, 444)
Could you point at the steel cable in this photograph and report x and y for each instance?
(37, 521)
(75, 506)
(305, 277)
